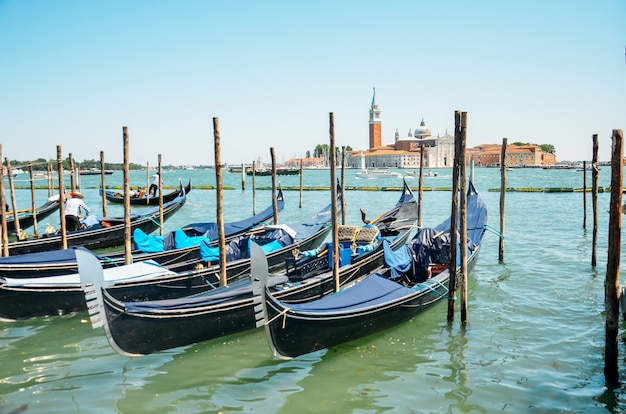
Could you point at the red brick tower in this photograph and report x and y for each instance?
(375, 124)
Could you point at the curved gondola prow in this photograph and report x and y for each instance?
(258, 274)
(92, 283)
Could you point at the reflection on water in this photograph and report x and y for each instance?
(534, 341)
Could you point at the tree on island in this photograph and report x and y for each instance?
(322, 150)
(549, 148)
(40, 164)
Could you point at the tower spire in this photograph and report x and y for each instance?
(375, 124)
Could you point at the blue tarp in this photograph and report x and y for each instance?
(399, 261)
(56, 256)
(146, 243)
(372, 290)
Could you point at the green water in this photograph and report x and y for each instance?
(534, 343)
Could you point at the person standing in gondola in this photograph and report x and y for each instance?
(73, 206)
(154, 187)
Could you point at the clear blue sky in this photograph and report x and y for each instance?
(74, 72)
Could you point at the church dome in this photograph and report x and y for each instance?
(423, 131)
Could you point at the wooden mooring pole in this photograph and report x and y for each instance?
(5, 235)
(420, 185)
(594, 200)
(333, 202)
(128, 258)
(611, 284)
(463, 218)
(343, 184)
(103, 185)
(274, 200)
(72, 176)
(16, 220)
(454, 216)
(160, 172)
(584, 195)
(32, 198)
(502, 197)
(219, 207)
(301, 179)
(61, 198)
(243, 176)
(253, 187)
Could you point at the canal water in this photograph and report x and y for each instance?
(534, 342)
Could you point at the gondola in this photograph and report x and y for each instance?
(22, 298)
(95, 171)
(145, 199)
(57, 263)
(413, 279)
(98, 233)
(27, 218)
(143, 327)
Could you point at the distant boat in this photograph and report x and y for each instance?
(430, 173)
(279, 171)
(589, 167)
(365, 174)
(377, 173)
(95, 171)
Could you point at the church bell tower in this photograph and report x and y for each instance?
(375, 124)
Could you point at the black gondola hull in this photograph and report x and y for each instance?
(293, 336)
(144, 201)
(151, 327)
(44, 301)
(179, 259)
(99, 238)
(27, 220)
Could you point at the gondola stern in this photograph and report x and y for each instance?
(258, 273)
(92, 282)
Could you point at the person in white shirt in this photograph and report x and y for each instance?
(73, 206)
(154, 186)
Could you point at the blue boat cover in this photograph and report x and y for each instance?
(55, 256)
(146, 243)
(210, 229)
(372, 290)
(239, 289)
(398, 261)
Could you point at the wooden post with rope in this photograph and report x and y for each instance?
(274, 201)
(453, 216)
(333, 202)
(463, 218)
(502, 198)
(103, 185)
(128, 259)
(219, 202)
(594, 200)
(61, 198)
(611, 284)
(5, 235)
(16, 219)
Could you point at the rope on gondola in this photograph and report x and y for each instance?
(282, 313)
(428, 286)
(494, 231)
